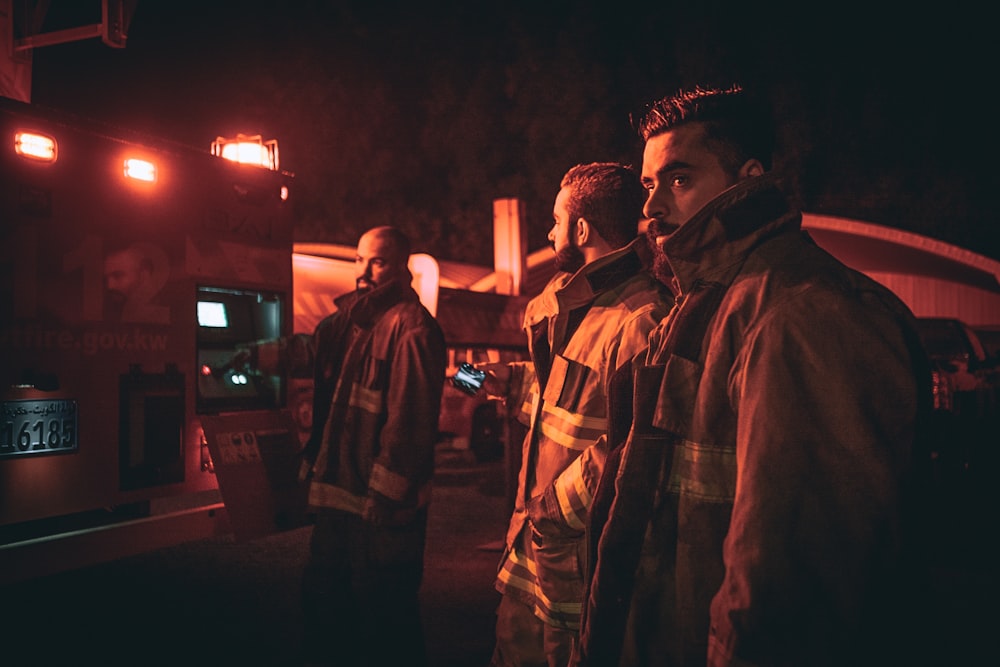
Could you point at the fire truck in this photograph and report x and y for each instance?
(133, 269)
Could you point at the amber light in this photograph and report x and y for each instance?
(36, 146)
(140, 170)
(247, 149)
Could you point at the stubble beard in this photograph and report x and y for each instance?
(570, 259)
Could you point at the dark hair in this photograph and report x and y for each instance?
(609, 196)
(737, 125)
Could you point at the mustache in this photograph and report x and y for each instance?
(660, 227)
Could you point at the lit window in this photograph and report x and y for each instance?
(141, 170)
(34, 145)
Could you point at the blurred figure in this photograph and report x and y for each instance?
(380, 367)
(125, 271)
(759, 511)
(583, 331)
(130, 274)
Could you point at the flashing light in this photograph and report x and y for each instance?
(34, 145)
(247, 149)
(141, 170)
(284, 193)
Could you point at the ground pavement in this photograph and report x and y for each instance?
(217, 602)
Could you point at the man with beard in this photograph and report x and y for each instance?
(759, 510)
(380, 367)
(131, 289)
(583, 331)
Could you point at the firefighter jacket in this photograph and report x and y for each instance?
(757, 513)
(582, 330)
(380, 366)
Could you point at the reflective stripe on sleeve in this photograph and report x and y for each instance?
(328, 495)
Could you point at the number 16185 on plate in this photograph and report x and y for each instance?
(35, 427)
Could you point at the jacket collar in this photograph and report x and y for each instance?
(567, 291)
(713, 244)
(365, 310)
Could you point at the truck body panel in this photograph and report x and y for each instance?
(121, 301)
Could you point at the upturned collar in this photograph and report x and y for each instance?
(712, 245)
(567, 291)
(367, 308)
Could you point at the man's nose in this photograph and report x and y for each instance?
(653, 207)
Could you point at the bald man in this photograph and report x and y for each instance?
(380, 369)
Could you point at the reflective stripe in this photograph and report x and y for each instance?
(576, 439)
(528, 407)
(518, 571)
(571, 430)
(518, 567)
(388, 483)
(328, 495)
(704, 472)
(368, 400)
(572, 420)
(395, 486)
(574, 497)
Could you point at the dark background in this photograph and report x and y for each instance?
(419, 114)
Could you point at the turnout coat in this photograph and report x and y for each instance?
(757, 512)
(583, 331)
(380, 366)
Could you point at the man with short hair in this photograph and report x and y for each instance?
(758, 511)
(583, 331)
(380, 367)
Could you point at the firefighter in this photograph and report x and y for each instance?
(760, 510)
(380, 369)
(583, 331)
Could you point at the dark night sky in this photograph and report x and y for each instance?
(421, 113)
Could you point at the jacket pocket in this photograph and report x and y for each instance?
(569, 384)
(677, 396)
(559, 564)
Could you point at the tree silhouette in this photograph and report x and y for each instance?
(420, 114)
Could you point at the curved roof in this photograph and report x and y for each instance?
(872, 248)
(935, 279)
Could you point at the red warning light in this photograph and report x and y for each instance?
(34, 145)
(206, 370)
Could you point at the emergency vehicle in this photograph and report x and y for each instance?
(135, 270)
(132, 271)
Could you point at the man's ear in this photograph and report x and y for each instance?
(751, 168)
(582, 231)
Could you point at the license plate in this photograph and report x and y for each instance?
(37, 427)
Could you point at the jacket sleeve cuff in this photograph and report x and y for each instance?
(546, 515)
(389, 484)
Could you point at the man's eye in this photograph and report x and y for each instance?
(678, 180)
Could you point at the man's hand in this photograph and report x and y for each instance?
(240, 359)
(497, 380)
(382, 511)
(546, 517)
